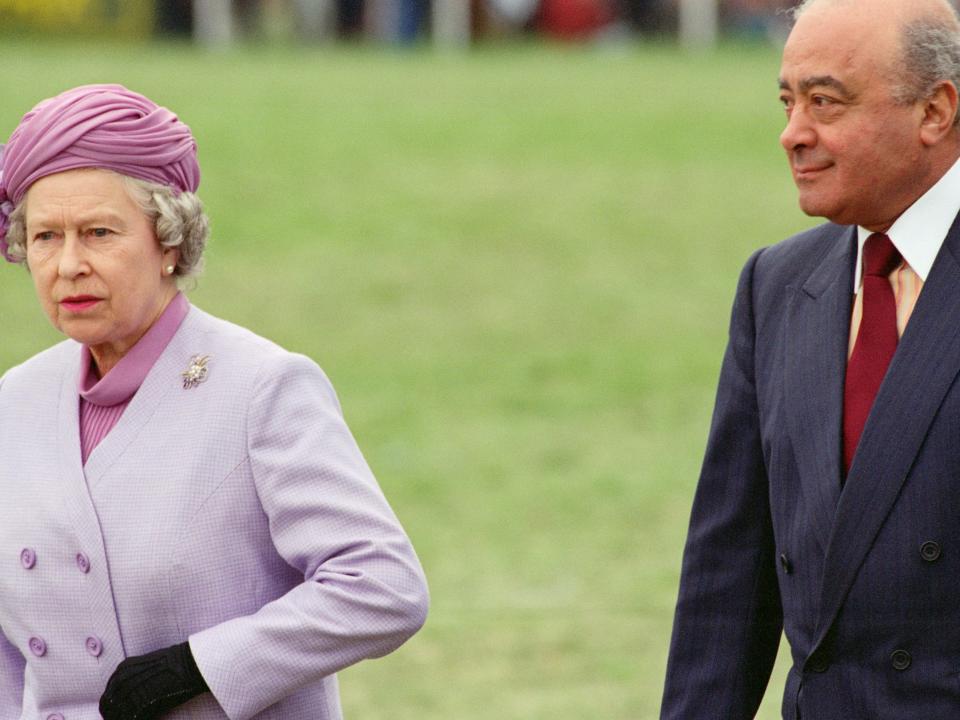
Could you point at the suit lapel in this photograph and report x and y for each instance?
(818, 329)
(923, 368)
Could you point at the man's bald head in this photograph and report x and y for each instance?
(893, 8)
(929, 40)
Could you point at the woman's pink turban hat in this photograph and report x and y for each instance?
(100, 126)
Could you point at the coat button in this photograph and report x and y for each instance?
(94, 646)
(930, 551)
(786, 564)
(900, 659)
(83, 563)
(37, 646)
(28, 558)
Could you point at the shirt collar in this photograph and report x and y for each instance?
(128, 374)
(920, 231)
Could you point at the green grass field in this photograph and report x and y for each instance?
(516, 267)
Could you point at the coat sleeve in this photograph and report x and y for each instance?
(728, 617)
(364, 592)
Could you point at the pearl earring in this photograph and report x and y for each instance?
(170, 269)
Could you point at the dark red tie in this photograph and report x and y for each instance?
(876, 340)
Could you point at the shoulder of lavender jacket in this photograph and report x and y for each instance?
(237, 512)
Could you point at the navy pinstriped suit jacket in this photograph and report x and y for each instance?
(863, 575)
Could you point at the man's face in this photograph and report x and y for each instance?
(855, 153)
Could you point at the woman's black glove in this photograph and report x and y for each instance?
(146, 686)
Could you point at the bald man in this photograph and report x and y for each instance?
(828, 505)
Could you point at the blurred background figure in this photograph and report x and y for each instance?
(758, 19)
(643, 16)
(407, 22)
(315, 19)
(397, 21)
(575, 19)
(173, 17)
(512, 13)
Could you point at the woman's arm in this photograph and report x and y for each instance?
(364, 592)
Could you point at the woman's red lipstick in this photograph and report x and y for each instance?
(79, 303)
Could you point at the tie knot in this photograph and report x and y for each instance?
(880, 257)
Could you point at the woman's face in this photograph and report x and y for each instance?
(96, 264)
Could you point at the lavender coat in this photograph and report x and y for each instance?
(238, 514)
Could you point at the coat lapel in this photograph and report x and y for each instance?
(818, 330)
(923, 368)
(163, 380)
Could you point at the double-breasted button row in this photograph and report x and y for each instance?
(28, 559)
(929, 551)
(93, 645)
(899, 660)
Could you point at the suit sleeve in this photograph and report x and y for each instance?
(364, 592)
(728, 617)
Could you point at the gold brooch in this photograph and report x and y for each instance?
(197, 371)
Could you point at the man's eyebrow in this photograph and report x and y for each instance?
(818, 81)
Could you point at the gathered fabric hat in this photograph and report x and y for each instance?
(96, 126)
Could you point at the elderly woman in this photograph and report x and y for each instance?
(190, 529)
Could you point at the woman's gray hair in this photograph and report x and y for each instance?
(178, 219)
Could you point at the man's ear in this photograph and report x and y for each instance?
(939, 111)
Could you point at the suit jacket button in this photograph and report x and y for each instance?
(786, 564)
(28, 558)
(930, 551)
(818, 663)
(37, 646)
(900, 659)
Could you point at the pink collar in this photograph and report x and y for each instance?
(125, 378)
